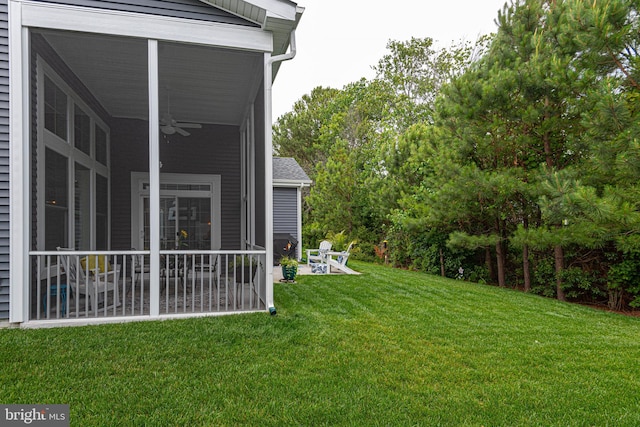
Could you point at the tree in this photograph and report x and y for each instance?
(298, 133)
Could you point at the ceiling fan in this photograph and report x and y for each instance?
(169, 126)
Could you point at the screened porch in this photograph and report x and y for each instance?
(148, 178)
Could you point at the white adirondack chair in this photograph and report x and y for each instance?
(320, 254)
(340, 261)
(95, 285)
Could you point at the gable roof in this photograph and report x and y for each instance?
(278, 16)
(257, 11)
(287, 172)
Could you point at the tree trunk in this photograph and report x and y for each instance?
(500, 258)
(546, 137)
(442, 272)
(526, 271)
(487, 258)
(525, 268)
(558, 253)
(615, 299)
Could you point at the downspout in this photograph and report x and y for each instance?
(268, 125)
(299, 220)
(286, 56)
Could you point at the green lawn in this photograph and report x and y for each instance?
(388, 347)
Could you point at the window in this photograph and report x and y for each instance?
(73, 192)
(101, 145)
(82, 186)
(56, 200)
(82, 131)
(102, 212)
(55, 109)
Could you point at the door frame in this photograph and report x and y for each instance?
(138, 192)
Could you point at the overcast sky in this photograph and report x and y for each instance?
(340, 40)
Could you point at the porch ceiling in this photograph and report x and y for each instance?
(203, 85)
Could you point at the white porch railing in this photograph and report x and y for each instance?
(103, 284)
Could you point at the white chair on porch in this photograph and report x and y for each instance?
(92, 282)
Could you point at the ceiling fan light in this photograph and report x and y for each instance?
(168, 130)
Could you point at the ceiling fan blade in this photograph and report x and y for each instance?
(181, 131)
(189, 125)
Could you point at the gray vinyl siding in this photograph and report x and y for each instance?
(188, 9)
(285, 211)
(4, 160)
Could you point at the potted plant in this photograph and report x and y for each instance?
(289, 268)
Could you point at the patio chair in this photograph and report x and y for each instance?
(206, 268)
(175, 266)
(140, 268)
(320, 254)
(90, 280)
(340, 263)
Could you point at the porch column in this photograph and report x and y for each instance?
(268, 179)
(19, 172)
(154, 180)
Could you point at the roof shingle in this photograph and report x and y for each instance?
(287, 169)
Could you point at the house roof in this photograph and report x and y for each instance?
(278, 16)
(287, 172)
(258, 11)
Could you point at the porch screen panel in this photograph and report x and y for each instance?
(260, 178)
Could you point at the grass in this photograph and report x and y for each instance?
(388, 347)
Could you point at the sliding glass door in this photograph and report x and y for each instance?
(185, 223)
(189, 212)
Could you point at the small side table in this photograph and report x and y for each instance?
(53, 292)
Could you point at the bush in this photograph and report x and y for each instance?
(543, 278)
(624, 278)
(581, 284)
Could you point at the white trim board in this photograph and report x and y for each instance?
(288, 183)
(100, 21)
(19, 175)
